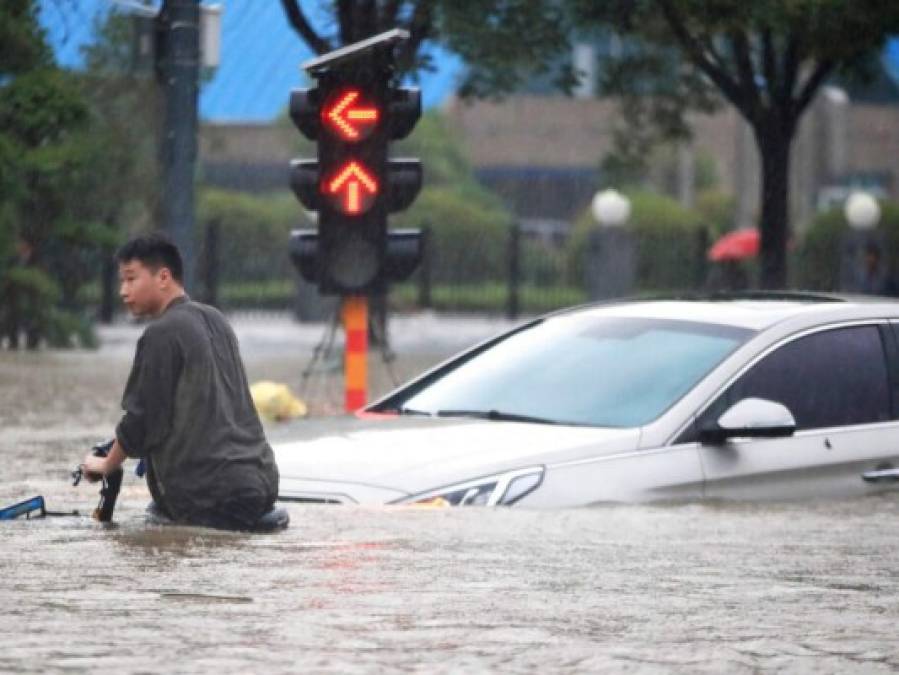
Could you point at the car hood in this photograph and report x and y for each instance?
(391, 458)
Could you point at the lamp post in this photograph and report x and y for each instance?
(610, 264)
(611, 208)
(862, 269)
(862, 211)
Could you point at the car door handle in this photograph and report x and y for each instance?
(890, 475)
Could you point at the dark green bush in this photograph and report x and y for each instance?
(254, 232)
(718, 211)
(469, 225)
(490, 297)
(541, 264)
(669, 246)
(469, 233)
(816, 261)
(67, 329)
(28, 296)
(271, 295)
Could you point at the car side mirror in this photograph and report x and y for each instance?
(750, 418)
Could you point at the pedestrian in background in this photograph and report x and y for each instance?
(875, 278)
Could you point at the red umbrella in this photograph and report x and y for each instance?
(736, 245)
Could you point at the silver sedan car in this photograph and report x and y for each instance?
(756, 397)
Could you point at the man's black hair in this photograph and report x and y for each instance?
(154, 250)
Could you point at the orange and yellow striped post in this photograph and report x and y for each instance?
(355, 366)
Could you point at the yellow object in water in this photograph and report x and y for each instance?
(275, 401)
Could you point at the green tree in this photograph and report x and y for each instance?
(47, 170)
(22, 43)
(766, 58)
(456, 207)
(504, 42)
(126, 109)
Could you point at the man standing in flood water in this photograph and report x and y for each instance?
(188, 410)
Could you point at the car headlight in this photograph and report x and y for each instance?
(500, 490)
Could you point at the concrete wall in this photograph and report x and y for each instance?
(873, 143)
(529, 131)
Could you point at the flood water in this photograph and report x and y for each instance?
(737, 588)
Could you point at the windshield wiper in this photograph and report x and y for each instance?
(495, 415)
(412, 411)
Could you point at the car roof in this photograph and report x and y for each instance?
(753, 310)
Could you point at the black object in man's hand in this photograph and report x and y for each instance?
(109, 490)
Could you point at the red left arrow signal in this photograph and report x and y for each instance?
(354, 187)
(351, 122)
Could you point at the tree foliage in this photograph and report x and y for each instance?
(668, 243)
(767, 58)
(126, 111)
(48, 219)
(22, 43)
(504, 42)
(821, 253)
(456, 208)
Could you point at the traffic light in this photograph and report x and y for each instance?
(353, 113)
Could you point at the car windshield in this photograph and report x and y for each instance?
(582, 370)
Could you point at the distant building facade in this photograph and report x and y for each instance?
(542, 154)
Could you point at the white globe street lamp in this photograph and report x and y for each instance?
(611, 208)
(862, 211)
(610, 265)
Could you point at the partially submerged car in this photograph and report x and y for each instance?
(760, 396)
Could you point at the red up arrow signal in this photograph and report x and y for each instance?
(354, 187)
(351, 123)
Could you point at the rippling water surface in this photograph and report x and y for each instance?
(808, 587)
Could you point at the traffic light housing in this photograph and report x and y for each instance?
(353, 113)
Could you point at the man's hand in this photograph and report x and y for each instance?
(94, 468)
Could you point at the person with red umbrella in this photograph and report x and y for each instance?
(728, 254)
(736, 245)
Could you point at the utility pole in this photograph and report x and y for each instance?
(179, 71)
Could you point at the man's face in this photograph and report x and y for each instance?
(142, 290)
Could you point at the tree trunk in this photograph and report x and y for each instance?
(774, 224)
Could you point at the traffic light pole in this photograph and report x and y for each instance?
(180, 72)
(354, 112)
(355, 370)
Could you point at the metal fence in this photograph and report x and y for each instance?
(535, 268)
(530, 276)
(543, 269)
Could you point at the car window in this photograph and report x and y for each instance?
(891, 342)
(608, 371)
(832, 378)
